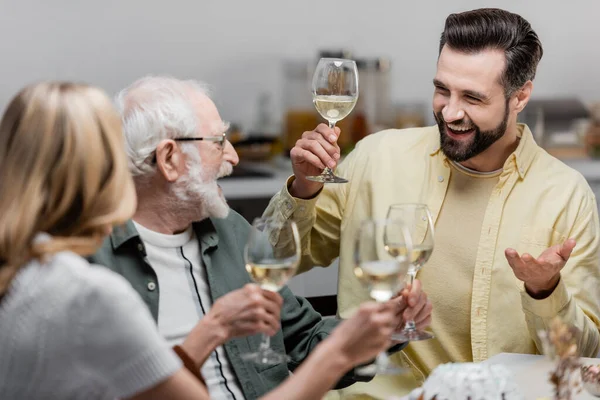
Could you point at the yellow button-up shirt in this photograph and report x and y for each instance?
(538, 202)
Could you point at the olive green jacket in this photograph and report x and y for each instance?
(222, 242)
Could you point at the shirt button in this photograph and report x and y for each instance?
(301, 208)
(141, 247)
(288, 205)
(440, 178)
(151, 286)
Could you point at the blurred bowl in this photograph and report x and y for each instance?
(590, 376)
(255, 148)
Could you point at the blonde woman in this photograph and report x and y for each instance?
(72, 331)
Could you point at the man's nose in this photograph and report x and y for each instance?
(229, 154)
(453, 112)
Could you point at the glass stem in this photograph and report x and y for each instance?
(327, 171)
(411, 277)
(410, 325)
(265, 343)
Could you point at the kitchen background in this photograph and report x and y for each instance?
(258, 55)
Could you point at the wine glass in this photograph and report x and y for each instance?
(419, 222)
(335, 92)
(382, 274)
(271, 264)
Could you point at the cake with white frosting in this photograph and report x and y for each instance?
(468, 381)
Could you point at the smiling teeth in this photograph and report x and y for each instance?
(459, 129)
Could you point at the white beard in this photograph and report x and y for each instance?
(198, 186)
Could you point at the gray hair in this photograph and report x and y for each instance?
(152, 109)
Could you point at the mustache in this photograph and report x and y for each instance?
(226, 169)
(460, 124)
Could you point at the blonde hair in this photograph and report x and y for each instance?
(63, 171)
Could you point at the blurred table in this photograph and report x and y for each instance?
(531, 374)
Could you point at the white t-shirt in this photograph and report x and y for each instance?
(70, 331)
(185, 299)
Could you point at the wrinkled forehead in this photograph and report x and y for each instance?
(210, 122)
(215, 128)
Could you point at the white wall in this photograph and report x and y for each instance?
(237, 45)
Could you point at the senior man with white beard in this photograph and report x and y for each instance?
(185, 241)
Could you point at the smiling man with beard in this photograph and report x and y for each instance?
(183, 250)
(516, 230)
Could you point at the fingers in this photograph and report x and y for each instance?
(267, 300)
(423, 324)
(368, 308)
(259, 320)
(272, 308)
(513, 258)
(377, 313)
(411, 313)
(401, 307)
(270, 323)
(327, 132)
(526, 258)
(263, 306)
(398, 303)
(332, 149)
(567, 248)
(520, 263)
(386, 316)
(415, 293)
(423, 317)
(367, 332)
(273, 296)
(298, 155)
(313, 143)
(413, 302)
(253, 327)
(318, 147)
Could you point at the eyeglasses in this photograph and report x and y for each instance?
(220, 140)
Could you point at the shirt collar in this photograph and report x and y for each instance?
(205, 231)
(122, 234)
(524, 154)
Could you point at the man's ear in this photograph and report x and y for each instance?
(169, 160)
(522, 96)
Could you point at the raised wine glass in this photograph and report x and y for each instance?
(271, 264)
(419, 223)
(335, 92)
(381, 273)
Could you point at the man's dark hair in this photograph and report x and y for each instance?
(491, 28)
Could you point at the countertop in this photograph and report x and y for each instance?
(280, 169)
(258, 187)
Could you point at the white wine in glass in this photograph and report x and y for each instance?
(419, 223)
(418, 257)
(271, 265)
(272, 274)
(335, 92)
(381, 277)
(382, 274)
(334, 108)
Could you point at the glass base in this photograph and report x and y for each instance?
(411, 336)
(327, 179)
(266, 357)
